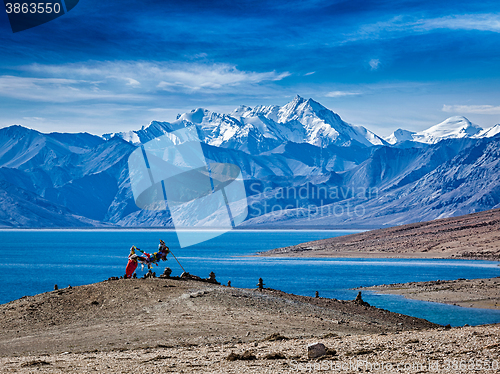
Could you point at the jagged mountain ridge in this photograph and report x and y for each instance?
(451, 128)
(82, 179)
(420, 187)
(264, 128)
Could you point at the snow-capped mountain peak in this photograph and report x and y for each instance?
(452, 128)
(299, 108)
(241, 111)
(80, 179)
(488, 133)
(323, 126)
(263, 128)
(400, 136)
(195, 116)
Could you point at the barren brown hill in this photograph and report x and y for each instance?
(131, 314)
(473, 236)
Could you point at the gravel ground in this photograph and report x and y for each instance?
(455, 350)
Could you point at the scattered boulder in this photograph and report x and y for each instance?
(275, 356)
(35, 363)
(246, 356)
(412, 341)
(186, 275)
(275, 337)
(149, 274)
(316, 350)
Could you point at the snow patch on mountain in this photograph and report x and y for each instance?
(260, 129)
(488, 133)
(400, 136)
(452, 128)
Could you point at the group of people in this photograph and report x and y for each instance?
(145, 259)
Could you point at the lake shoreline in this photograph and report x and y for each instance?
(368, 255)
(172, 229)
(473, 236)
(469, 293)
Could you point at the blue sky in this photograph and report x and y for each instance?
(116, 65)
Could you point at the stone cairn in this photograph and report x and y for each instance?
(260, 285)
(149, 274)
(166, 273)
(211, 278)
(360, 301)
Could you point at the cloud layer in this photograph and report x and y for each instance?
(127, 80)
(381, 64)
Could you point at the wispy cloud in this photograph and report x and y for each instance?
(480, 22)
(374, 63)
(121, 94)
(40, 119)
(56, 90)
(211, 77)
(475, 109)
(401, 25)
(341, 93)
(150, 77)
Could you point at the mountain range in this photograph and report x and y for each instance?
(302, 166)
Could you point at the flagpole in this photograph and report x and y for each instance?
(178, 261)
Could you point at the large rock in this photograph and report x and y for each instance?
(316, 350)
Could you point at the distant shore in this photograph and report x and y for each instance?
(473, 236)
(256, 229)
(470, 293)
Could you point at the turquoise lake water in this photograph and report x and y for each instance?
(33, 261)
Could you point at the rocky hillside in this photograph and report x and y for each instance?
(138, 313)
(474, 236)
